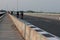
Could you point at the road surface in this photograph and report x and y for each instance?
(49, 25)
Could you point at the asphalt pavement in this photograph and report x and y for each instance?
(49, 25)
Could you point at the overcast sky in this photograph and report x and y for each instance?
(36, 5)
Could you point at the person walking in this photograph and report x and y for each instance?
(17, 14)
(21, 14)
(11, 12)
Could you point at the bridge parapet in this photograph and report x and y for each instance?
(26, 31)
(45, 15)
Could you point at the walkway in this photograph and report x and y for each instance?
(8, 30)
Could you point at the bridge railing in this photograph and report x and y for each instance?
(25, 30)
(1, 17)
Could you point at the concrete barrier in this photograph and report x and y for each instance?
(44, 15)
(26, 32)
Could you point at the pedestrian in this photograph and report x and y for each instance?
(17, 14)
(21, 14)
(8, 12)
(11, 12)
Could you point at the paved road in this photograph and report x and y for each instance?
(50, 25)
(8, 30)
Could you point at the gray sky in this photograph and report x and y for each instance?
(36, 5)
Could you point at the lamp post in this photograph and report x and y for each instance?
(17, 10)
(7, 6)
(17, 5)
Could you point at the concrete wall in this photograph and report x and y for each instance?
(45, 15)
(26, 32)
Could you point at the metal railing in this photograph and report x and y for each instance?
(1, 17)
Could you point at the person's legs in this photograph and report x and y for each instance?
(21, 16)
(17, 14)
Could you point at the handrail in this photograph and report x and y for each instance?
(1, 17)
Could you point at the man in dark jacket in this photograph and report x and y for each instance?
(17, 14)
(12, 12)
(21, 14)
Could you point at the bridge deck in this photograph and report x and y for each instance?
(8, 31)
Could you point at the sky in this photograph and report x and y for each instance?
(35, 5)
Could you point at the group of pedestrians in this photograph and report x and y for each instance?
(21, 14)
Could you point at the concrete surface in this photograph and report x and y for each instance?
(45, 15)
(8, 30)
